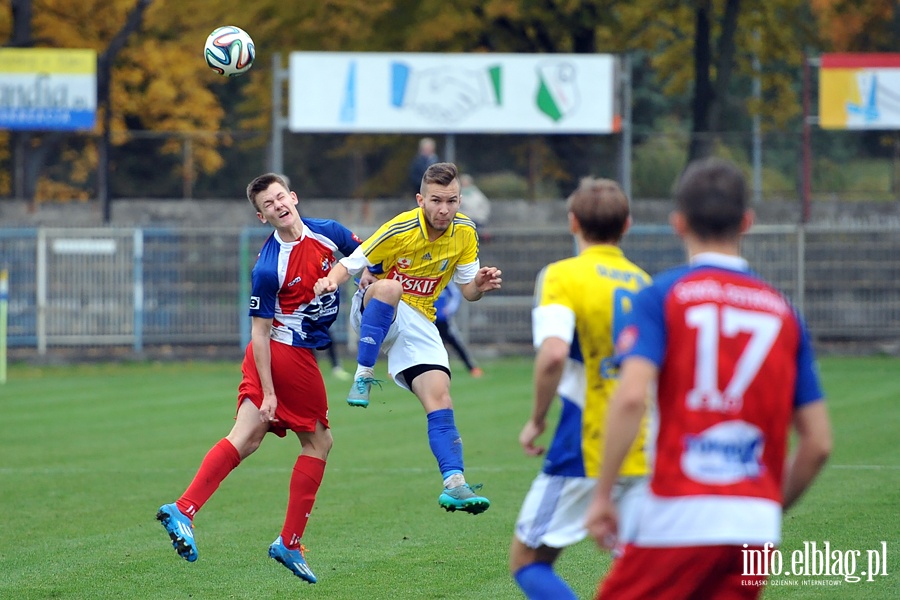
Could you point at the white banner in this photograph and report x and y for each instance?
(452, 93)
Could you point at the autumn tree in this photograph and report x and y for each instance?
(873, 26)
(156, 80)
(698, 48)
(18, 21)
(852, 26)
(723, 39)
(701, 53)
(496, 26)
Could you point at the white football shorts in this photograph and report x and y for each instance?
(554, 509)
(411, 340)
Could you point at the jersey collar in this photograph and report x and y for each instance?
(606, 249)
(303, 234)
(717, 259)
(423, 226)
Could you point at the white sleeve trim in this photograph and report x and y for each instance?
(552, 320)
(356, 262)
(466, 273)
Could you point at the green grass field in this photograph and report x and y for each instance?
(90, 452)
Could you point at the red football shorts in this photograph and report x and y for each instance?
(681, 573)
(299, 387)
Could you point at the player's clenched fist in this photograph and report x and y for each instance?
(324, 286)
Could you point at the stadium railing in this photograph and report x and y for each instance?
(136, 290)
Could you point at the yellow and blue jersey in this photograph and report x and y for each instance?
(586, 298)
(400, 250)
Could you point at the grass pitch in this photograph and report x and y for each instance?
(90, 452)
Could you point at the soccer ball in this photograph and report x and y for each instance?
(229, 51)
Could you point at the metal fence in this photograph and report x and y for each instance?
(134, 290)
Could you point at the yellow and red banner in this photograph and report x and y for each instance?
(859, 91)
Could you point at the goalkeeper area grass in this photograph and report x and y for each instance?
(89, 452)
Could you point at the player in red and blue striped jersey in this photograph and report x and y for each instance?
(281, 283)
(734, 369)
(282, 388)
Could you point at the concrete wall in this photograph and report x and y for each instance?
(365, 215)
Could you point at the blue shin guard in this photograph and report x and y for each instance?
(446, 445)
(540, 582)
(376, 320)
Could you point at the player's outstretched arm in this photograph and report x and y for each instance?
(813, 448)
(486, 280)
(335, 278)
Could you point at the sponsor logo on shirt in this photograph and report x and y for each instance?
(254, 302)
(724, 454)
(294, 281)
(415, 286)
(626, 340)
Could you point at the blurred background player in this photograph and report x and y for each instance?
(445, 308)
(475, 204)
(425, 157)
(579, 306)
(403, 268)
(282, 388)
(734, 368)
(337, 370)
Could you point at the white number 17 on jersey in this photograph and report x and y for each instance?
(705, 318)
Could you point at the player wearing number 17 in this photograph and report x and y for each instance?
(580, 303)
(734, 369)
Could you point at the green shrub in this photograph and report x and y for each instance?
(502, 184)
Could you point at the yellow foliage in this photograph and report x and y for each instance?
(48, 189)
(774, 32)
(160, 82)
(857, 26)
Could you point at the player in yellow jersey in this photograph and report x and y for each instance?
(579, 305)
(403, 267)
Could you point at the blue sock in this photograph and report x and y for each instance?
(376, 320)
(539, 581)
(446, 445)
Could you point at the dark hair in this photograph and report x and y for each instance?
(601, 209)
(442, 173)
(262, 183)
(712, 196)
